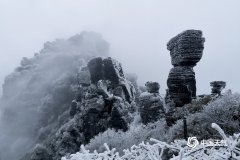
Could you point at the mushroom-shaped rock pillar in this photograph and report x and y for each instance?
(186, 50)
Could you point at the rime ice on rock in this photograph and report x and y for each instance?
(151, 105)
(105, 103)
(186, 50)
(110, 70)
(182, 85)
(217, 87)
(109, 99)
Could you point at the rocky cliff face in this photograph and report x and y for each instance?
(186, 50)
(37, 95)
(104, 103)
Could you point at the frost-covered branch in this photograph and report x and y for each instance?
(155, 151)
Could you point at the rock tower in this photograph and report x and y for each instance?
(186, 51)
(217, 87)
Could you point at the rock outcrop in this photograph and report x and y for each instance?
(106, 102)
(111, 72)
(102, 104)
(186, 50)
(151, 104)
(217, 87)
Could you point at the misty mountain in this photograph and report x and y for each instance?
(38, 93)
(71, 97)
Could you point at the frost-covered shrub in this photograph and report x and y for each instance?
(224, 111)
(175, 113)
(198, 104)
(135, 135)
(178, 150)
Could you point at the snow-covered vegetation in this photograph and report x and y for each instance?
(225, 108)
(156, 151)
(222, 109)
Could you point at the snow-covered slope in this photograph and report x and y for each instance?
(160, 150)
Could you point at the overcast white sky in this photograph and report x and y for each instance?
(137, 30)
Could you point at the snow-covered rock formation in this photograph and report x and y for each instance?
(104, 102)
(186, 50)
(217, 87)
(151, 104)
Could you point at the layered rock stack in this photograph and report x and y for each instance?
(186, 51)
(217, 87)
(151, 104)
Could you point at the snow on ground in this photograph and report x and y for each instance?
(155, 150)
